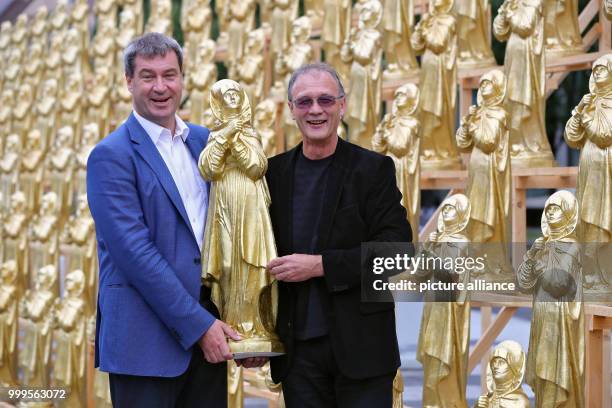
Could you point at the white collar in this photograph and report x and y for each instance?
(155, 131)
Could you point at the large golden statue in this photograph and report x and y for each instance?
(399, 137)
(444, 336)
(590, 129)
(435, 36)
(364, 49)
(484, 133)
(91, 136)
(15, 239)
(72, 105)
(44, 236)
(238, 241)
(561, 30)
(79, 238)
(505, 373)
(9, 302)
(299, 53)
(397, 23)
(250, 68)
(520, 23)
(336, 29)
(32, 170)
(264, 122)
(36, 314)
(241, 18)
(46, 110)
(202, 76)
(283, 13)
(552, 271)
(69, 335)
(99, 100)
(473, 33)
(59, 171)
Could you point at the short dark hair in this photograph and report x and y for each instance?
(316, 66)
(150, 45)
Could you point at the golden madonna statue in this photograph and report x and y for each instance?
(160, 17)
(238, 241)
(128, 30)
(88, 142)
(59, 20)
(241, 14)
(74, 58)
(79, 237)
(444, 336)
(552, 271)
(590, 129)
(473, 33)
(19, 33)
(397, 23)
(9, 302)
(505, 373)
(520, 23)
(300, 52)
(32, 170)
(283, 13)
(561, 30)
(196, 22)
(364, 49)
(201, 77)
(136, 8)
(35, 67)
(106, 10)
(36, 314)
(53, 60)
(44, 236)
(46, 110)
(72, 104)
(336, 29)
(235, 388)
(39, 28)
(15, 239)
(23, 111)
(399, 137)
(250, 68)
(99, 100)
(484, 133)
(104, 46)
(80, 20)
(69, 335)
(13, 74)
(59, 171)
(9, 167)
(435, 36)
(264, 122)
(7, 100)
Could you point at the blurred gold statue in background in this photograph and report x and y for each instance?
(435, 36)
(252, 65)
(561, 30)
(44, 236)
(399, 137)
(202, 76)
(9, 322)
(59, 171)
(473, 33)
(336, 29)
(239, 241)
(505, 373)
(397, 23)
(264, 121)
(15, 240)
(552, 271)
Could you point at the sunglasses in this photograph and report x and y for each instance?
(324, 101)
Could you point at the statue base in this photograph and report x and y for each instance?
(527, 160)
(256, 347)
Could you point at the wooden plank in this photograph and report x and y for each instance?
(601, 323)
(594, 369)
(489, 335)
(605, 39)
(443, 179)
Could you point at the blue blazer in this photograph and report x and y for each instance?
(149, 315)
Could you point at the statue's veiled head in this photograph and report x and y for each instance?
(75, 283)
(33, 140)
(371, 14)
(13, 144)
(255, 42)
(265, 113)
(64, 136)
(455, 214)
(82, 205)
(406, 98)
(91, 133)
(506, 368)
(41, 14)
(22, 21)
(492, 88)
(206, 51)
(45, 279)
(300, 32)
(601, 76)
(9, 272)
(127, 19)
(560, 216)
(228, 100)
(48, 203)
(440, 6)
(17, 202)
(8, 97)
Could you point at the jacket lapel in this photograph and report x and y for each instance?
(147, 150)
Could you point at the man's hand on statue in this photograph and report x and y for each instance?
(252, 362)
(296, 267)
(214, 342)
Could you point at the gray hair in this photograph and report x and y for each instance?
(150, 45)
(319, 67)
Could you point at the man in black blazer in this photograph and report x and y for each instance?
(329, 196)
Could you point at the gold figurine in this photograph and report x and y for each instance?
(235, 389)
(59, 19)
(607, 9)
(336, 29)
(241, 17)
(196, 21)
(13, 73)
(520, 22)
(91, 136)
(46, 110)
(137, 10)
(104, 46)
(590, 129)
(23, 112)
(473, 33)
(32, 170)
(69, 335)
(44, 236)
(9, 302)
(398, 390)
(505, 373)
(283, 13)
(264, 122)
(552, 271)
(399, 136)
(561, 30)
(444, 336)
(72, 104)
(15, 239)
(364, 49)
(397, 23)
(201, 78)
(435, 36)
(80, 20)
(99, 100)
(239, 241)
(59, 171)
(250, 67)
(39, 29)
(9, 167)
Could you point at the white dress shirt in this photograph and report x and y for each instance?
(183, 168)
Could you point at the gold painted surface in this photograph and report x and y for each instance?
(561, 30)
(473, 33)
(9, 301)
(397, 23)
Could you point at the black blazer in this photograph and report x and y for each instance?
(361, 203)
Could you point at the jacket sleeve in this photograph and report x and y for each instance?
(115, 206)
(386, 221)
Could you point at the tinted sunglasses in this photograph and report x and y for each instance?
(324, 101)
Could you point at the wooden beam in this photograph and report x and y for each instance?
(489, 336)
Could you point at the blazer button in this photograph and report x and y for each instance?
(197, 261)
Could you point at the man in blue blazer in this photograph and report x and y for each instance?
(161, 346)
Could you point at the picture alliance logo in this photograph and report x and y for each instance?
(423, 262)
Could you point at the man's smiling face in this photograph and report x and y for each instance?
(156, 88)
